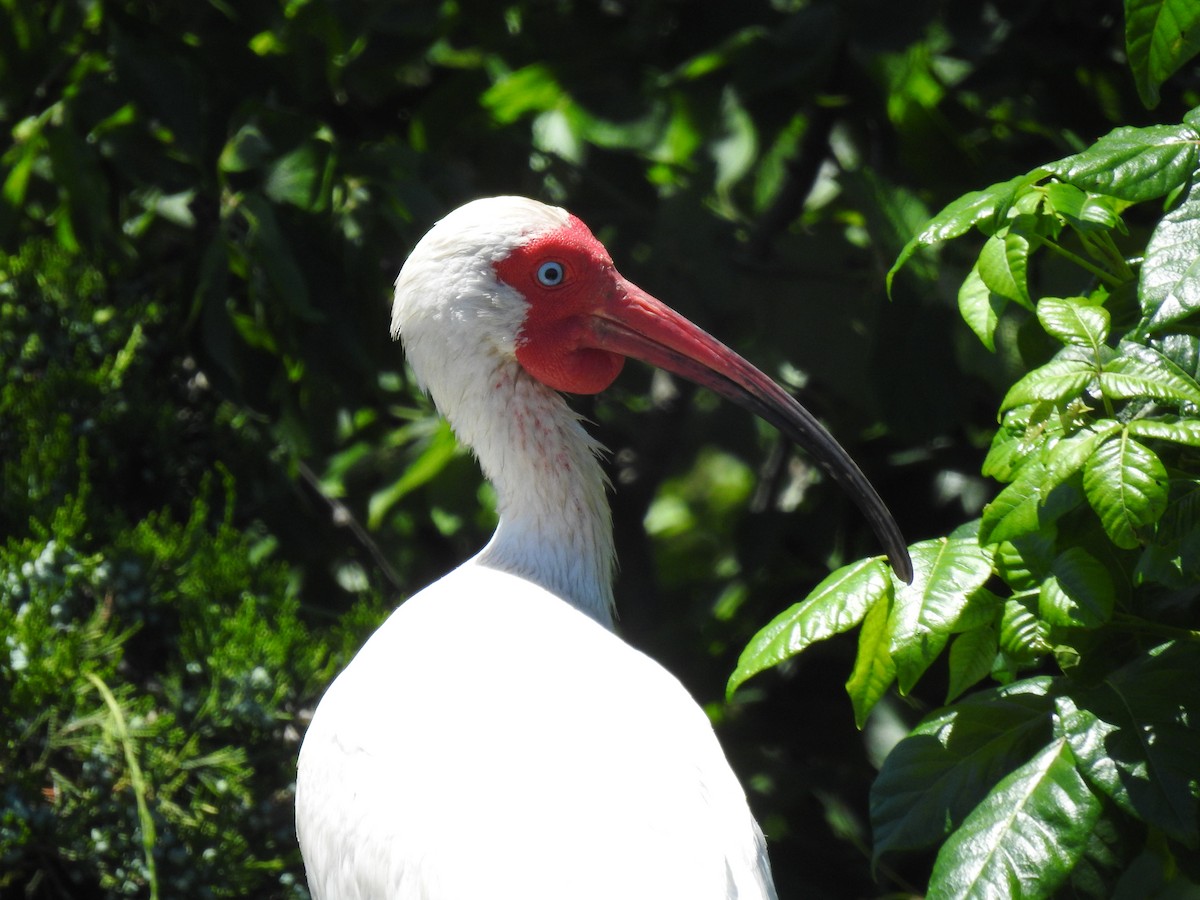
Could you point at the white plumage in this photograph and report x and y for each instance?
(495, 739)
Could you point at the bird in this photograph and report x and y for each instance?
(495, 738)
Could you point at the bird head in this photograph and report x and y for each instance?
(530, 285)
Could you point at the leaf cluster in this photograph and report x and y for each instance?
(1084, 565)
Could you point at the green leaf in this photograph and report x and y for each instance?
(1024, 839)
(301, 177)
(1063, 378)
(992, 204)
(1020, 437)
(1023, 562)
(532, 88)
(980, 307)
(874, 670)
(1160, 37)
(1022, 633)
(1026, 506)
(1074, 321)
(246, 150)
(946, 573)
(1179, 431)
(1078, 593)
(1081, 210)
(1126, 484)
(1133, 164)
(1063, 458)
(837, 604)
(271, 251)
(934, 777)
(433, 458)
(972, 655)
(1136, 740)
(1002, 266)
(1169, 284)
(1140, 371)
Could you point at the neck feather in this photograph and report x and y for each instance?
(555, 524)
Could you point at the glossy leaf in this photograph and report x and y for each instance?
(837, 604)
(1024, 838)
(946, 573)
(874, 669)
(1178, 431)
(1064, 377)
(1160, 37)
(1078, 593)
(934, 777)
(1141, 371)
(1031, 503)
(1064, 458)
(1021, 435)
(972, 655)
(1083, 211)
(1133, 164)
(1136, 738)
(1023, 562)
(991, 204)
(1169, 285)
(980, 307)
(1022, 633)
(1126, 484)
(1074, 321)
(1003, 265)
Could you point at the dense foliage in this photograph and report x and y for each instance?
(1088, 559)
(218, 476)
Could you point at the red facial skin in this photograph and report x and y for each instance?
(556, 345)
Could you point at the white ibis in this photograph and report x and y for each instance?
(494, 738)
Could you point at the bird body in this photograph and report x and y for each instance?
(492, 741)
(495, 738)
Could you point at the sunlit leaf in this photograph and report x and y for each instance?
(1074, 321)
(991, 204)
(1160, 37)
(532, 88)
(1179, 431)
(1022, 633)
(1169, 285)
(433, 458)
(1063, 458)
(874, 670)
(1141, 371)
(1024, 839)
(837, 604)
(1030, 504)
(946, 573)
(1002, 266)
(1025, 561)
(1126, 484)
(1133, 164)
(1022, 434)
(301, 177)
(980, 307)
(1064, 377)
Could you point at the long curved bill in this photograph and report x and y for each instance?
(635, 324)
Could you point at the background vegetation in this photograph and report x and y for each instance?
(218, 477)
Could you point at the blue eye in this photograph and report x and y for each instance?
(551, 274)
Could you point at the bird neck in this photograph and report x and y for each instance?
(555, 525)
